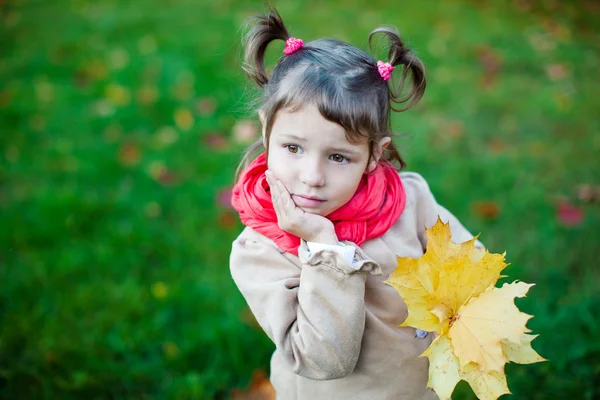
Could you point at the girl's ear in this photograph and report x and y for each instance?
(378, 152)
(263, 123)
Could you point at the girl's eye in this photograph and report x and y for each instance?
(338, 158)
(292, 148)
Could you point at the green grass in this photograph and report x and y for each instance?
(115, 279)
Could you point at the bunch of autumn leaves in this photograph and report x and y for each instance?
(451, 290)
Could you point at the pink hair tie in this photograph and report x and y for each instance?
(291, 45)
(385, 70)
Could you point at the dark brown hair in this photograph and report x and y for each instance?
(340, 79)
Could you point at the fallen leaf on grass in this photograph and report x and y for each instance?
(170, 349)
(491, 63)
(496, 146)
(486, 209)
(557, 30)
(37, 122)
(568, 214)
(206, 106)
(159, 290)
(541, 42)
(165, 136)
(563, 100)
(147, 45)
(260, 388)
(227, 219)
(119, 58)
(245, 131)
(160, 173)
(556, 72)
(129, 154)
(215, 141)
(588, 193)
(152, 209)
(167, 178)
(44, 90)
(12, 154)
(454, 129)
(184, 119)
(81, 78)
(224, 198)
(117, 94)
(248, 318)
(112, 133)
(147, 95)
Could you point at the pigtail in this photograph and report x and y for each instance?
(401, 55)
(265, 29)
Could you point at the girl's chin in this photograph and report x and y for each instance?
(311, 210)
(317, 211)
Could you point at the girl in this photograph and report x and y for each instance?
(326, 213)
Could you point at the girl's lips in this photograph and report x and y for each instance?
(306, 202)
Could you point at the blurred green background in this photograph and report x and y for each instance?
(121, 125)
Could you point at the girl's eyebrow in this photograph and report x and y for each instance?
(343, 150)
(294, 137)
(338, 149)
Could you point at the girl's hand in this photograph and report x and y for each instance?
(292, 219)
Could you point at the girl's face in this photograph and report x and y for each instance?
(312, 157)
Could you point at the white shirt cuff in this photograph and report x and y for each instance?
(347, 252)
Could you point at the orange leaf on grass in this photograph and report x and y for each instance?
(147, 95)
(260, 388)
(496, 146)
(486, 209)
(248, 318)
(167, 178)
(129, 154)
(206, 106)
(227, 219)
(215, 141)
(81, 78)
(491, 63)
(160, 173)
(455, 129)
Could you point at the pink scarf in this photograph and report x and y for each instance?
(375, 207)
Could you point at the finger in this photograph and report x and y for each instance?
(277, 187)
(283, 204)
(275, 194)
(285, 199)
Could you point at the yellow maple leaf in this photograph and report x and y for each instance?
(445, 373)
(481, 325)
(436, 285)
(451, 290)
(521, 352)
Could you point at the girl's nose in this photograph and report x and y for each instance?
(312, 174)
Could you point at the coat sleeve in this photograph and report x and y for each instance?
(428, 210)
(313, 311)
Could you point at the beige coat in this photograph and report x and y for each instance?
(335, 324)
